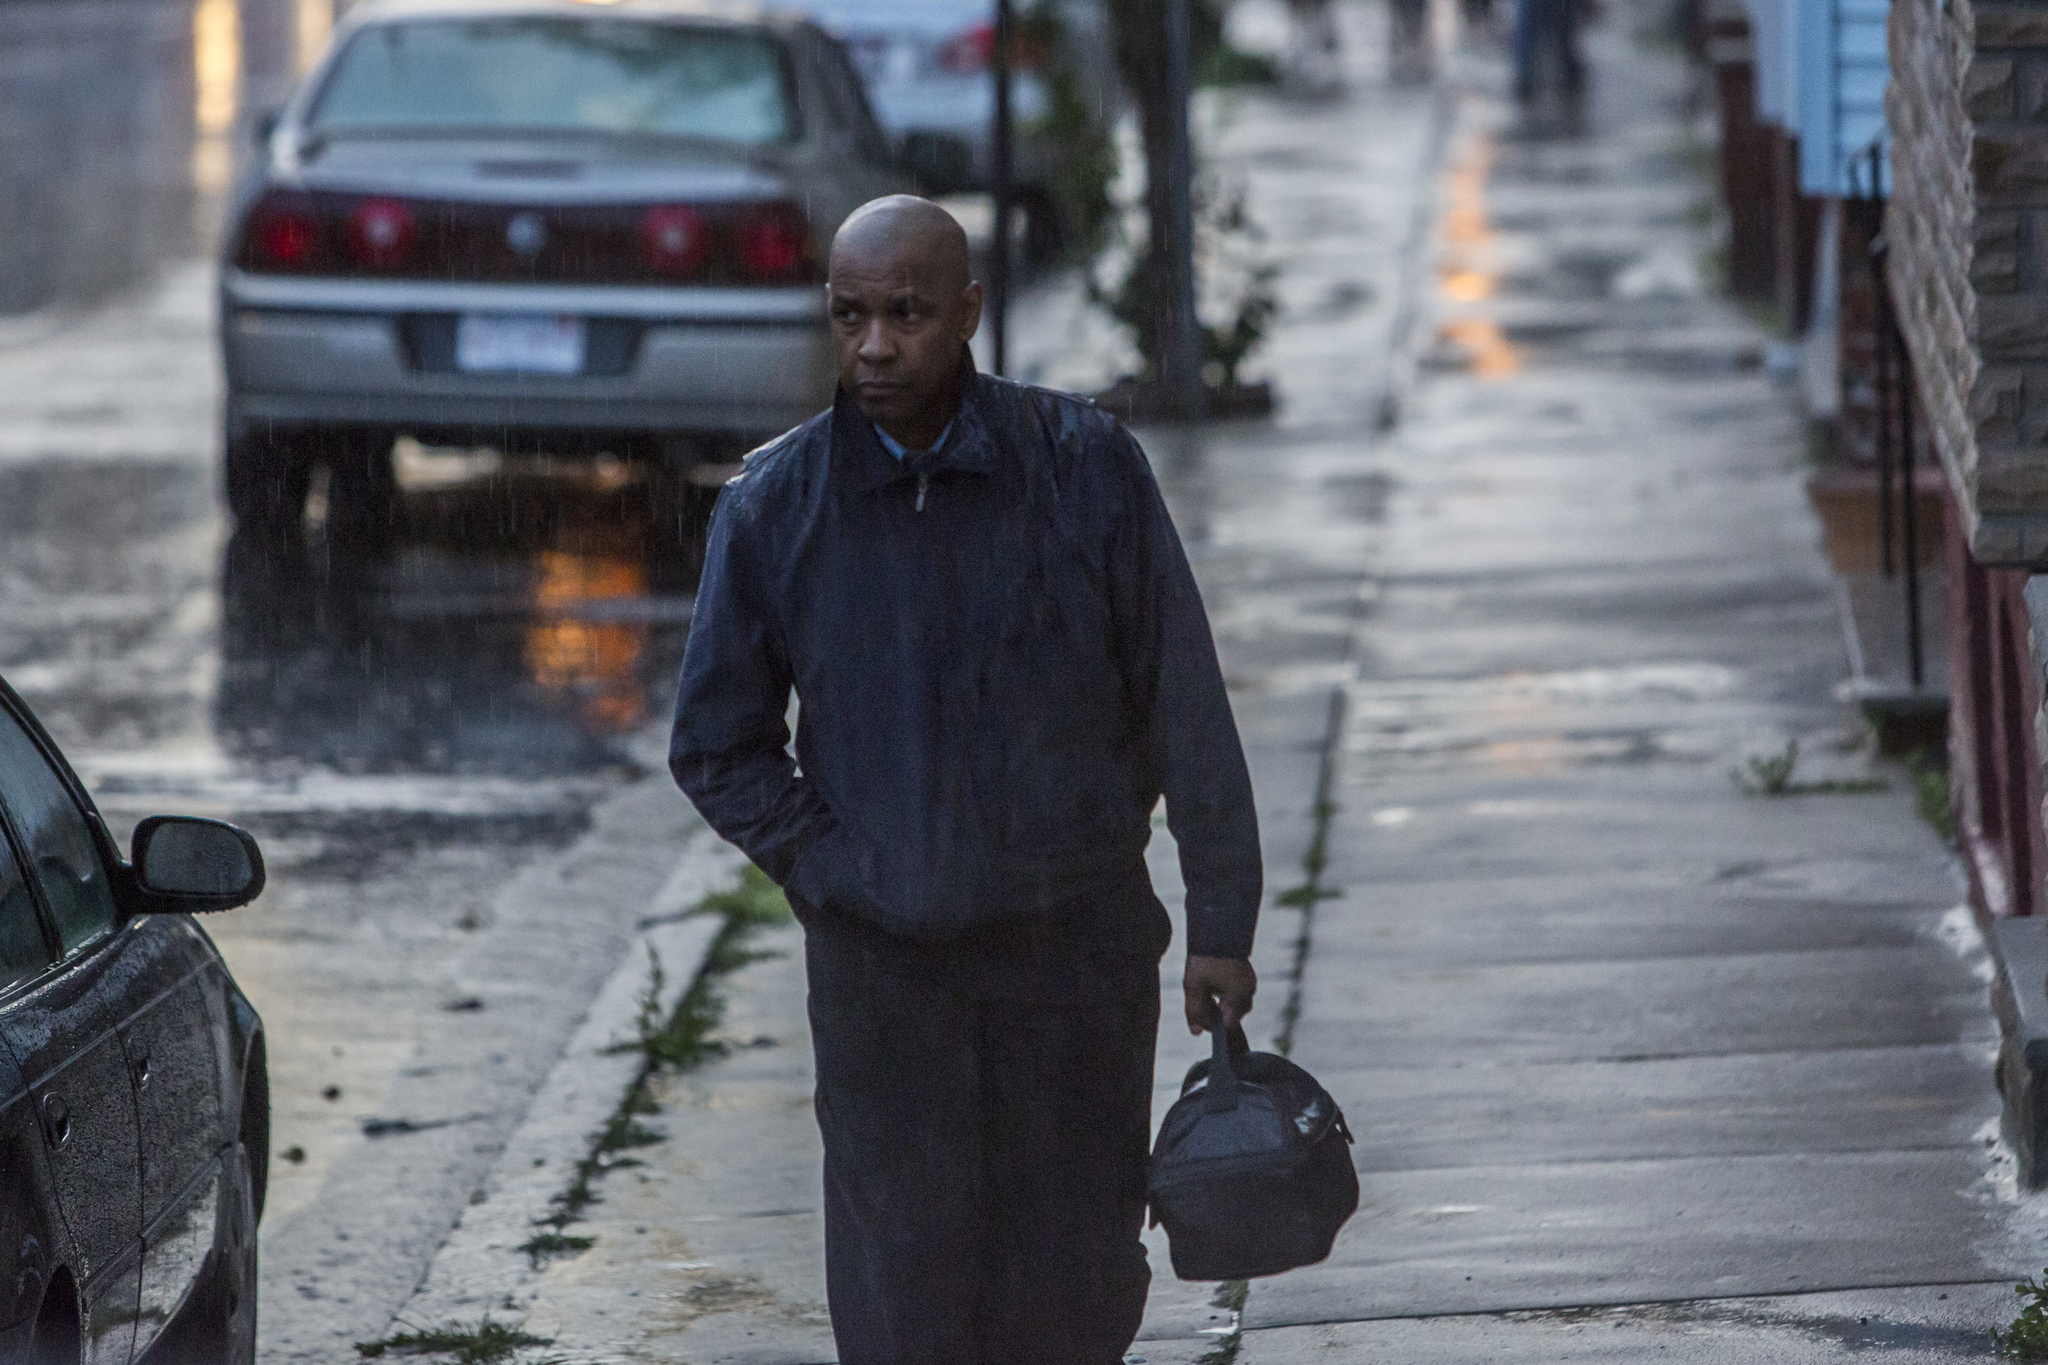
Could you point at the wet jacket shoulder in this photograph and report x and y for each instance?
(1001, 662)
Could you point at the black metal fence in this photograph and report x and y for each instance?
(1896, 438)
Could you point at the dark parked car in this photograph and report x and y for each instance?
(134, 1103)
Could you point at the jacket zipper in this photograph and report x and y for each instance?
(923, 481)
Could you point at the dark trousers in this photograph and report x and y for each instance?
(986, 1110)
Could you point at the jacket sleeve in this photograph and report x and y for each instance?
(729, 750)
(1189, 736)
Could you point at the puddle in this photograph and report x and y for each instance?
(522, 625)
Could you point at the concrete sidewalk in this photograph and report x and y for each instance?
(1637, 1062)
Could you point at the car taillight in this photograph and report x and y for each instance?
(381, 233)
(283, 235)
(968, 53)
(675, 240)
(774, 244)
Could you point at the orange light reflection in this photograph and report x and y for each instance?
(1492, 355)
(590, 661)
(1467, 274)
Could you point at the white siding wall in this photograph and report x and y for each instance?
(1842, 73)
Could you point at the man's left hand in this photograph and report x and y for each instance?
(1212, 981)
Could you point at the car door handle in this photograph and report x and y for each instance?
(141, 1070)
(56, 1120)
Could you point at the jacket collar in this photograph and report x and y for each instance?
(857, 452)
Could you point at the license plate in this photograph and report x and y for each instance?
(486, 342)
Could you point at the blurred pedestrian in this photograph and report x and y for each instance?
(1409, 55)
(1312, 63)
(1002, 664)
(1547, 34)
(1479, 19)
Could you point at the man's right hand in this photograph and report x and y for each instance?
(1210, 982)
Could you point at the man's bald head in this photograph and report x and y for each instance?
(903, 303)
(903, 234)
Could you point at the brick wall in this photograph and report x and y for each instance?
(1968, 231)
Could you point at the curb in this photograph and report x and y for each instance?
(480, 1268)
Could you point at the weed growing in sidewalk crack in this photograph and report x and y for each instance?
(484, 1344)
(2027, 1338)
(1768, 775)
(685, 1040)
(1931, 793)
(1306, 896)
(1771, 775)
(545, 1246)
(1229, 1295)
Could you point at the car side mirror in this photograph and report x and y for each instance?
(940, 163)
(184, 864)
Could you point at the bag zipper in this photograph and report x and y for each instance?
(923, 482)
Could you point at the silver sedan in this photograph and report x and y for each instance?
(537, 223)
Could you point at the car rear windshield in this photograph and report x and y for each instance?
(534, 74)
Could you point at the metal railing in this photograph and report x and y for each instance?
(1895, 435)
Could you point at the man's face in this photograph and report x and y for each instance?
(898, 326)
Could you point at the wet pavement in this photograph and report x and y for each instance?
(1638, 1063)
(1613, 1031)
(452, 758)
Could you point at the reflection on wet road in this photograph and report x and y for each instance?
(513, 630)
(1469, 272)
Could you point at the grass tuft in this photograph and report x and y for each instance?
(543, 1247)
(687, 1038)
(1227, 66)
(1771, 775)
(2027, 1338)
(1768, 774)
(1931, 794)
(484, 1344)
(1230, 1295)
(1305, 896)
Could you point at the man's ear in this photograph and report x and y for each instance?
(970, 311)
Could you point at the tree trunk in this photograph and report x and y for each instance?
(1140, 33)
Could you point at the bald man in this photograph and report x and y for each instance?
(1002, 664)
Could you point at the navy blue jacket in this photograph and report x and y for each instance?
(1001, 662)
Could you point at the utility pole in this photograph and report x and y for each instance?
(999, 186)
(1183, 360)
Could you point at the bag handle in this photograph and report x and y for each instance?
(1224, 1044)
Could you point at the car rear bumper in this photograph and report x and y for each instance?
(311, 352)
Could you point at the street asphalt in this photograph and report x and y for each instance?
(1641, 1064)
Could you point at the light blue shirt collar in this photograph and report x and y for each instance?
(899, 450)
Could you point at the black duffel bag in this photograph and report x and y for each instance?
(1252, 1172)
